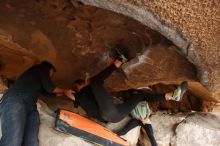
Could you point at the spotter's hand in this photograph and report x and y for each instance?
(69, 93)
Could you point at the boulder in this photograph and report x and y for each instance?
(192, 26)
(164, 125)
(84, 39)
(188, 129)
(198, 129)
(76, 39)
(14, 59)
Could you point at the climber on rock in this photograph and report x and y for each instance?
(18, 111)
(96, 101)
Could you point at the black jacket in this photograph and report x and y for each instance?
(32, 83)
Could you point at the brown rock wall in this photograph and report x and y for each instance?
(191, 25)
(76, 38)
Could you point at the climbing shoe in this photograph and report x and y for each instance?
(180, 90)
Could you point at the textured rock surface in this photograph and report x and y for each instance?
(198, 130)
(14, 59)
(76, 37)
(193, 26)
(154, 66)
(72, 38)
(164, 126)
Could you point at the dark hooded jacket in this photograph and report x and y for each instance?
(31, 84)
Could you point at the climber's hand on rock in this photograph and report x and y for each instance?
(117, 63)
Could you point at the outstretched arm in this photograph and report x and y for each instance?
(68, 92)
(100, 77)
(49, 87)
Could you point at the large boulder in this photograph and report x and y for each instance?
(192, 26)
(198, 129)
(191, 129)
(76, 39)
(164, 125)
(14, 59)
(64, 34)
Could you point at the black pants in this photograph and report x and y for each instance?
(110, 111)
(147, 127)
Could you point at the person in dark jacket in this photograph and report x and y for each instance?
(18, 111)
